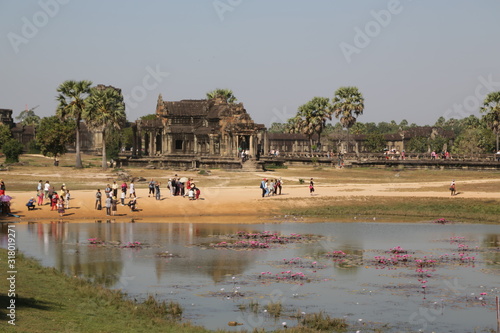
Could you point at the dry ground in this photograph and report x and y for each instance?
(230, 196)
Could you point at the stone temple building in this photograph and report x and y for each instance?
(198, 129)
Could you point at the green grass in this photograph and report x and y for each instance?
(455, 209)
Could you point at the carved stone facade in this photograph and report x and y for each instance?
(198, 128)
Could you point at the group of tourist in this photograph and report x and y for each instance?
(184, 187)
(46, 194)
(271, 187)
(111, 197)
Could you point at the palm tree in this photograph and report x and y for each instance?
(491, 107)
(314, 115)
(226, 94)
(72, 97)
(105, 109)
(348, 104)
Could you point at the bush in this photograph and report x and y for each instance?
(33, 147)
(12, 149)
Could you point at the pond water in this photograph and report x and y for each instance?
(415, 277)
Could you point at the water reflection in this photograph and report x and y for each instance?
(196, 269)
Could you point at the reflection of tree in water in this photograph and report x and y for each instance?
(491, 245)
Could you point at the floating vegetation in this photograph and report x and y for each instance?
(274, 309)
(127, 245)
(300, 263)
(261, 240)
(285, 276)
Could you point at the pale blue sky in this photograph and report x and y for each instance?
(424, 60)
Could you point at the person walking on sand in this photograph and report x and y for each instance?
(453, 188)
(132, 189)
(263, 187)
(114, 204)
(2, 187)
(40, 198)
(311, 187)
(122, 198)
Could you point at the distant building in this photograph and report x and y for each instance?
(193, 128)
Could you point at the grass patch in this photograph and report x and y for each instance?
(50, 301)
(455, 209)
(323, 322)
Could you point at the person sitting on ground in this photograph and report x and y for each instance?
(31, 204)
(132, 204)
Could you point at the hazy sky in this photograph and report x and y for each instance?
(415, 60)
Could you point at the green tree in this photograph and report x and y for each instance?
(72, 103)
(277, 128)
(311, 118)
(54, 135)
(105, 109)
(226, 94)
(417, 144)
(491, 108)
(5, 134)
(348, 104)
(375, 142)
(12, 149)
(28, 117)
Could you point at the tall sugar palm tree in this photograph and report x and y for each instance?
(491, 108)
(347, 104)
(105, 109)
(226, 94)
(72, 101)
(313, 116)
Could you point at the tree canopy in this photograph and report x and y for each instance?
(54, 135)
(226, 94)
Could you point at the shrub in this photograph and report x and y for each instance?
(12, 149)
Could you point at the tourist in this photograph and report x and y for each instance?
(63, 190)
(108, 205)
(191, 192)
(311, 187)
(132, 204)
(151, 187)
(498, 156)
(271, 187)
(122, 198)
(98, 200)
(46, 189)
(54, 200)
(40, 198)
(279, 185)
(124, 187)
(132, 189)
(107, 191)
(197, 192)
(169, 186)
(2, 187)
(114, 187)
(433, 155)
(39, 186)
(114, 204)
(263, 187)
(31, 204)
(157, 190)
(453, 189)
(67, 197)
(60, 206)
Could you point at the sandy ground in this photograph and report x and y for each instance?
(221, 204)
